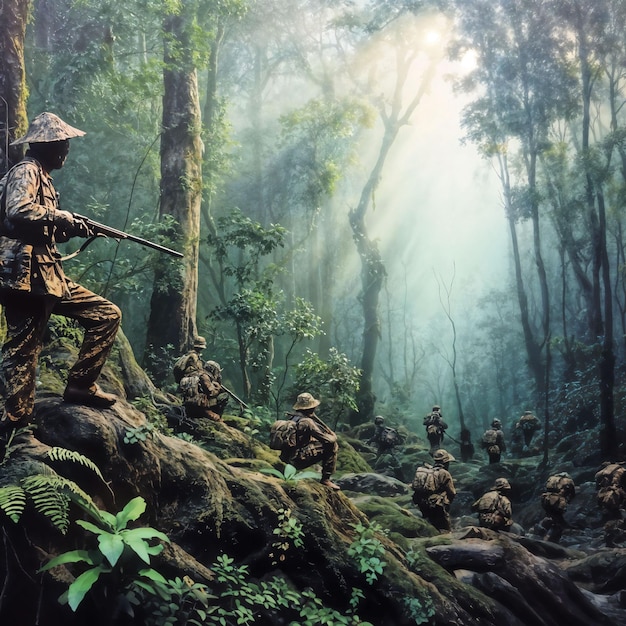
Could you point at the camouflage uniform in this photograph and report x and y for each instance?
(560, 490)
(493, 441)
(494, 508)
(435, 506)
(528, 424)
(200, 387)
(315, 442)
(33, 286)
(435, 428)
(611, 495)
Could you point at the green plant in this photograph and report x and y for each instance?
(368, 551)
(422, 611)
(290, 474)
(289, 533)
(48, 492)
(141, 433)
(117, 545)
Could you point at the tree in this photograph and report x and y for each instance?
(13, 121)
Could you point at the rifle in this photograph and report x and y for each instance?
(102, 230)
(234, 397)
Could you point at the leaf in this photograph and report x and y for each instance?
(145, 533)
(74, 556)
(90, 527)
(132, 511)
(272, 472)
(79, 588)
(140, 548)
(111, 546)
(152, 575)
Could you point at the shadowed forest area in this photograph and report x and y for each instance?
(389, 204)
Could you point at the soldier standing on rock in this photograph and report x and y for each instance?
(493, 441)
(33, 284)
(435, 428)
(560, 490)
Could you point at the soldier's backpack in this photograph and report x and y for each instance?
(283, 434)
(490, 438)
(424, 482)
(389, 437)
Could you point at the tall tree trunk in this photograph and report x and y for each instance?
(172, 321)
(13, 120)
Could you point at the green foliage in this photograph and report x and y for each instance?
(289, 534)
(115, 554)
(141, 433)
(421, 611)
(334, 380)
(48, 493)
(146, 405)
(290, 474)
(368, 551)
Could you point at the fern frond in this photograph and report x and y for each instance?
(12, 501)
(49, 498)
(63, 454)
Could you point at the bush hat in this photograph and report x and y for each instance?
(305, 401)
(48, 127)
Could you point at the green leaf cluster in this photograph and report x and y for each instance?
(118, 551)
(290, 474)
(368, 551)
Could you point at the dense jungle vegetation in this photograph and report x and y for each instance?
(263, 139)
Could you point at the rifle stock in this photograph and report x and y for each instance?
(235, 398)
(102, 230)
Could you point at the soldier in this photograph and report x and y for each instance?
(433, 490)
(315, 441)
(560, 490)
(611, 496)
(494, 507)
(528, 424)
(385, 437)
(200, 384)
(493, 441)
(435, 428)
(33, 284)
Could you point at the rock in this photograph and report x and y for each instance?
(376, 484)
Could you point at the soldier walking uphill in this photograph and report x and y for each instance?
(315, 441)
(33, 284)
(611, 497)
(529, 425)
(494, 507)
(200, 384)
(493, 441)
(560, 490)
(435, 428)
(386, 438)
(433, 490)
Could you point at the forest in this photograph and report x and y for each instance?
(389, 204)
(285, 157)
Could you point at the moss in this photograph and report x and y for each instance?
(349, 460)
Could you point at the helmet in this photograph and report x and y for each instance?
(379, 419)
(502, 484)
(436, 408)
(48, 127)
(305, 401)
(199, 343)
(496, 423)
(213, 367)
(443, 456)
(528, 412)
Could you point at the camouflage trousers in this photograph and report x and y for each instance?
(316, 452)
(27, 319)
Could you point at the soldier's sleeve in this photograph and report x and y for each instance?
(320, 434)
(26, 217)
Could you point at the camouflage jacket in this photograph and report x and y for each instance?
(311, 427)
(29, 259)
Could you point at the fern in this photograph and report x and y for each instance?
(49, 498)
(63, 454)
(12, 501)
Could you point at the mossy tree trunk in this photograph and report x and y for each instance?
(13, 121)
(172, 321)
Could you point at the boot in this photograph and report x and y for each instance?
(89, 396)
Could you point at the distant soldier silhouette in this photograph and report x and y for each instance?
(467, 447)
(529, 425)
(493, 441)
(435, 428)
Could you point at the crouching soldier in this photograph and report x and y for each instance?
(315, 442)
(494, 507)
(560, 490)
(433, 490)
